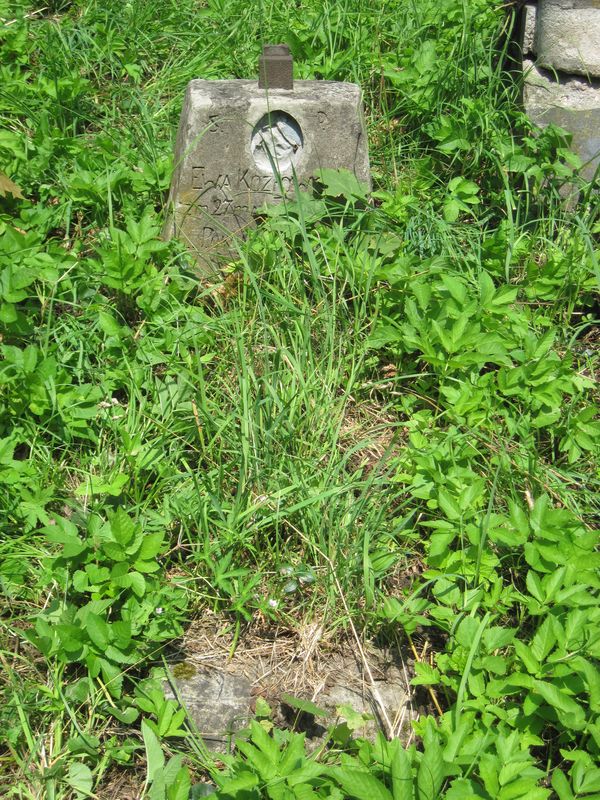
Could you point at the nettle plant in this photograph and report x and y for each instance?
(112, 606)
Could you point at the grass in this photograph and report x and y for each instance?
(381, 417)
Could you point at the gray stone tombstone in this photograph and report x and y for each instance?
(568, 36)
(561, 65)
(242, 144)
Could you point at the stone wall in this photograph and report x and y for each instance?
(561, 63)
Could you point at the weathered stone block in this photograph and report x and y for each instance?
(567, 36)
(529, 22)
(570, 102)
(220, 703)
(240, 147)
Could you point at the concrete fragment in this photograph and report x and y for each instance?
(567, 36)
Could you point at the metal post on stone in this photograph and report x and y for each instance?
(245, 144)
(276, 67)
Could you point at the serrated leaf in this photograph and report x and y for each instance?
(109, 324)
(534, 586)
(96, 484)
(341, 183)
(430, 775)
(449, 505)
(180, 785)
(562, 702)
(122, 527)
(544, 640)
(151, 546)
(425, 675)
(244, 780)
(359, 784)
(138, 583)
(354, 720)
(98, 631)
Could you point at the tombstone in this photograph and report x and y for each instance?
(243, 144)
(568, 36)
(561, 66)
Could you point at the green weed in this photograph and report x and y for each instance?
(373, 383)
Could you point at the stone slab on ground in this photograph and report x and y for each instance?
(390, 692)
(568, 36)
(240, 147)
(219, 702)
(568, 101)
(220, 692)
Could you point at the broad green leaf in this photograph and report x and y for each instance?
(341, 183)
(449, 504)
(127, 716)
(524, 789)
(109, 324)
(534, 586)
(430, 775)
(451, 210)
(304, 705)
(505, 295)
(486, 288)
(138, 583)
(243, 781)
(354, 719)
(402, 779)
(293, 756)
(544, 640)
(80, 779)
(180, 786)
(562, 702)
(112, 676)
(591, 781)
(96, 484)
(456, 287)
(265, 765)
(463, 789)
(98, 630)
(71, 637)
(360, 784)
(561, 786)
(425, 675)
(122, 527)
(155, 760)
(151, 546)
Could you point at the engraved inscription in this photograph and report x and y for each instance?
(217, 123)
(231, 193)
(322, 118)
(210, 235)
(199, 180)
